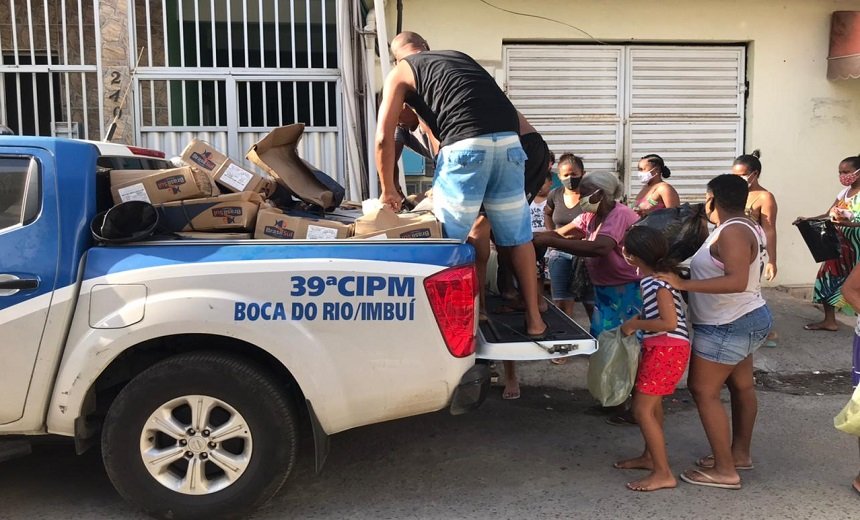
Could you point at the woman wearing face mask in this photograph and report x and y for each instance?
(761, 205)
(845, 213)
(598, 234)
(562, 206)
(656, 193)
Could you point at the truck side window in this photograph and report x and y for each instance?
(19, 191)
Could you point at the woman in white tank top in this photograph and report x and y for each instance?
(730, 322)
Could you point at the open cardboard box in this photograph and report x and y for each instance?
(276, 154)
(224, 170)
(385, 223)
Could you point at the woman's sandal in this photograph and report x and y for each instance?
(707, 462)
(622, 419)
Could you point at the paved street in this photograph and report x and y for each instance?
(540, 457)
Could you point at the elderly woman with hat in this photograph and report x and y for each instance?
(597, 235)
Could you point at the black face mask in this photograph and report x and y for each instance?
(571, 183)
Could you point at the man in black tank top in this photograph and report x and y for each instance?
(481, 161)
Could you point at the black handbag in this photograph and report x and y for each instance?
(821, 238)
(580, 283)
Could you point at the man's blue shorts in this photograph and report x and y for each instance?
(489, 170)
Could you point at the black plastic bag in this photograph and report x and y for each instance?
(126, 222)
(685, 228)
(338, 192)
(821, 238)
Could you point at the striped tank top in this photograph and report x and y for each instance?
(651, 311)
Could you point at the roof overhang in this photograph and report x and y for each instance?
(843, 61)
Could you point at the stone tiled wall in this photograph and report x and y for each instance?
(44, 37)
(117, 60)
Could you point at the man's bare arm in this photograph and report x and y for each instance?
(398, 83)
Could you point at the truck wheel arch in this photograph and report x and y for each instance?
(138, 358)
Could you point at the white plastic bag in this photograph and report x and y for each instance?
(612, 369)
(848, 420)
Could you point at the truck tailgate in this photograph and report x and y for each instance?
(503, 336)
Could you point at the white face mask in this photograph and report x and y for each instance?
(749, 178)
(589, 207)
(646, 176)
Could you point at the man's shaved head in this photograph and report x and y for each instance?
(407, 43)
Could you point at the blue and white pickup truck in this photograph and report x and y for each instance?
(195, 363)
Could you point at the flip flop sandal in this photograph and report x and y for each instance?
(708, 482)
(511, 396)
(622, 419)
(710, 465)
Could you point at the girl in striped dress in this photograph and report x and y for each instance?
(665, 353)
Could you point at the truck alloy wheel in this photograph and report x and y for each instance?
(196, 445)
(200, 435)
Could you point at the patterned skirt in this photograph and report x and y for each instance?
(613, 305)
(832, 274)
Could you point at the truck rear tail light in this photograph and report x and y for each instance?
(145, 151)
(452, 297)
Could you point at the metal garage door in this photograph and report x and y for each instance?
(614, 104)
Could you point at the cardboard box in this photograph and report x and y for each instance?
(226, 173)
(274, 223)
(231, 212)
(384, 223)
(159, 186)
(276, 154)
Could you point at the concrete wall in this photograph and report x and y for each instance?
(803, 123)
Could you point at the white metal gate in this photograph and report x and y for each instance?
(613, 104)
(228, 71)
(50, 74)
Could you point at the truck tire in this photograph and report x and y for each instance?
(200, 435)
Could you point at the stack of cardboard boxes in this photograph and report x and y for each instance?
(213, 197)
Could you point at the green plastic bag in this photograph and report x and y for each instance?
(848, 420)
(612, 369)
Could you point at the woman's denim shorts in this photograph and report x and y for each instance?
(733, 342)
(560, 266)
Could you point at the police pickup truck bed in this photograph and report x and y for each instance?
(195, 363)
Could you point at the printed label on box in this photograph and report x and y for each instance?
(203, 160)
(321, 233)
(228, 213)
(133, 192)
(236, 177)
(278, 231)
(171, 183)
(417, 233)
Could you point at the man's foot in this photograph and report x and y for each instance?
(707, 462)
(511, 391)
(558, 361)
(653, 482)
(822, 325)
(641, 462)
(538, 334)
(698, 477)
(856, 484)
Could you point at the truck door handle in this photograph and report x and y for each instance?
(19, 284)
